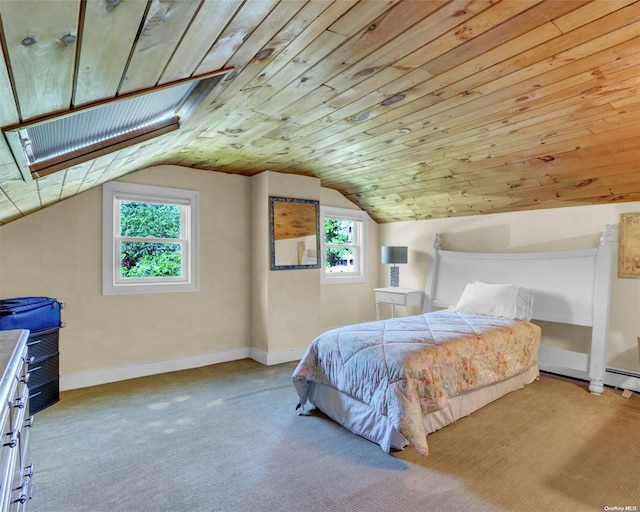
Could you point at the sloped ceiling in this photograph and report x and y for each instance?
(412, 109)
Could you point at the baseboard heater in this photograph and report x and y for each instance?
(614, 377)
(576, 366)
(625, 379)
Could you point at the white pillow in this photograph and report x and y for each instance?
(524, 300)
(504, 300)
(524, 304)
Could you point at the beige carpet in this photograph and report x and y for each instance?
(226, 438)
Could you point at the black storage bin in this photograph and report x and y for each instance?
(41, 315)
(43, 343)
(43, 369)
(41, 397)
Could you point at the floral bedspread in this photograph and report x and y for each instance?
(407, 367)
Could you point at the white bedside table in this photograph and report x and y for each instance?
(397, 297)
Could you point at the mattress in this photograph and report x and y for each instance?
(406, 368)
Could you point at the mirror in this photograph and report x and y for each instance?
(295, 240)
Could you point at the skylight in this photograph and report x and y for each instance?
(44, 146)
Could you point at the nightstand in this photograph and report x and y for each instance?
(397, 297)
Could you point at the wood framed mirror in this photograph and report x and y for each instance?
(295, 235)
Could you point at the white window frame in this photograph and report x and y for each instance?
(112, 282)
(359, 244)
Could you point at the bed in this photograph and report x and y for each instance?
(396, 381)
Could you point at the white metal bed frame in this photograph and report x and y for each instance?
(570, 287)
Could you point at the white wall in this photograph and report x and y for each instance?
(287, 250)
(540, 230)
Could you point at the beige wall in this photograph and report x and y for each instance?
(290, 307)
(539, 230)
(242, 305)
(242, 309)
(343, 304)
(58, 252)
(285, 316)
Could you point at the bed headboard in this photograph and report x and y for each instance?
(571, 287)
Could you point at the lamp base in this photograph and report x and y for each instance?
(394, 277)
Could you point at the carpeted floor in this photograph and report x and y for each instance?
(226, 438)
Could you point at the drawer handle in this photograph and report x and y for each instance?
(22, 498)
(29, 360)
(25, 487)
(13, 440)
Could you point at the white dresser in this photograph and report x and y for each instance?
(17, 471)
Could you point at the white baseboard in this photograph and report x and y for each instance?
(615, 377)
(271, 358)
(115, 374)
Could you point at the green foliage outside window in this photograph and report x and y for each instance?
(150, 259)
(337, 232)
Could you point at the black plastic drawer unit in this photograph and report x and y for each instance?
(41, 316)
(44, 369)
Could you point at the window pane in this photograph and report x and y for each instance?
(340, 259)
(149, 219)
(338, 231)
(141, 259)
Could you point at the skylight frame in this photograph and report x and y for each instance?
(18, 137)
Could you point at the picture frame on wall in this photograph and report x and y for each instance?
(629, 259)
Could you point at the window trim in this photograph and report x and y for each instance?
(333, 212)
(112, 284)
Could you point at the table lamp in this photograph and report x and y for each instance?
(393, 255)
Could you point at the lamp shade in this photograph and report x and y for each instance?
(393, 254)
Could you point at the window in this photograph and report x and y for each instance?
(43, 146)
(150, 239)
(343, 245)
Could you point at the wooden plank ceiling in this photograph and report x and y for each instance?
(412, 109)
